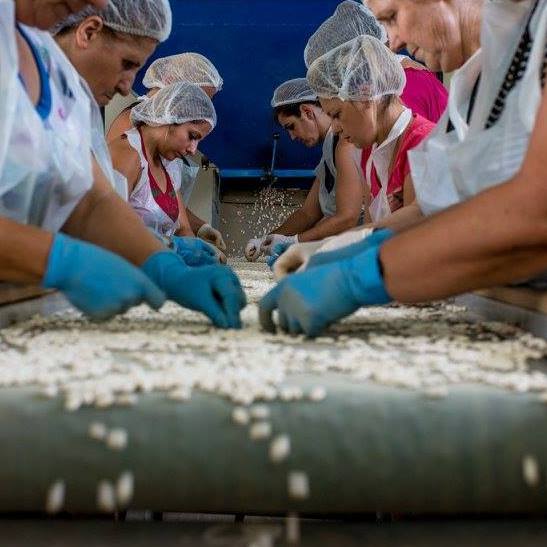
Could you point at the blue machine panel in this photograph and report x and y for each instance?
(256, 45)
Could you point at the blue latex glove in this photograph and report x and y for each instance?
(97, 282)
(277, 251)
(310, 301)
(194, 251)
(212, 290)
(373, 240)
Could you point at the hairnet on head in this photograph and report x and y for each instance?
(349, 21)
(359, 70)
(293, 91)
(184, 67)
(149, 18)
(175, 104)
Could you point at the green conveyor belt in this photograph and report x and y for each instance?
(365, 448)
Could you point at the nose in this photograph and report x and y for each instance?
(125, 85)
(192, 148)
(395, 42)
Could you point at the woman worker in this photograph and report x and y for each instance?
(334, 203)
(184, 67)
(423, 93)
(168, 126)
(47, 179)
(497, 237)
(108, 57)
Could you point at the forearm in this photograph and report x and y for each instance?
(498, 237)
(195, 222)
(402, 219)
(24, 252)
(104, 219)
(329, 226)
(296, 223)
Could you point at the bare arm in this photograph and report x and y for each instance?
(305, 217)
(349, 198)
(185, 228)
(497, 237)
(24, 252)
(104, 219)
(119, 126)
(195, 222)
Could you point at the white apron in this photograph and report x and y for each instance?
(451, 167)
(45, 164)
(381, 157)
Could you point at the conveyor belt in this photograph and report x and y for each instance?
(366, 448)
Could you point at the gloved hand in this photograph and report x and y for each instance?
(212, 290)
(373, 240)
(270, 241)
(277, 251)
(295, 258)
(344, 239)
(253, 249)
(211, 235)
(310, 301)
(196, 252)
(99, 283)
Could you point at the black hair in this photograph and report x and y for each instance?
(293, 109)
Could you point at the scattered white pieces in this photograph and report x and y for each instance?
(180, 394)
(106, 498)
(280, 448)
(104, 400)
(73, 403)
(299, 485)
(259, 412)
(260, 431)
(530, 471)
(291, 393)
(97, 431)
(117, 439)
(240, 416)
(317, 394)
(436, 392)
(127, 399)
(293, 529)
(50, 392)
(55, 500)
(125, 488)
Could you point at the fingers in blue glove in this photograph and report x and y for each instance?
(376, 238)
(277, 251)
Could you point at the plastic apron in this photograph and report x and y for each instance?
(100, 148)
(451, 167)
(325, 170)
(189, 173)
(141, 198)
(46, 166)
(381, 157)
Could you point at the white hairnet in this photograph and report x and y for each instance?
(293, 92)
(185, 67)
(349, 20)
(150, 18)
(175, 104)
(359, 70)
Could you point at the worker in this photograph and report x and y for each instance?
(423, 93)
(183, 67)
(498, 236)
(167, 127)
(334, 203)
(62, 223)
(108, 56)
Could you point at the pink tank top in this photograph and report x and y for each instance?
(424, 94)
(418, 129)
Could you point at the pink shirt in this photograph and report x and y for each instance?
(418, 129)
(424, 94)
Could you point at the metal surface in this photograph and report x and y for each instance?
(494, 310)
(46, 305)
(420, 533)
